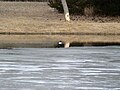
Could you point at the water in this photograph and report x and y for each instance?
(83, 68)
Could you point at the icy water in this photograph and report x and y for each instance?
(83, 68)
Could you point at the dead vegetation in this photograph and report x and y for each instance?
(36, 17)
(39, 17)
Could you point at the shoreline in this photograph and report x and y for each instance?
(33, 24)
(50, 41)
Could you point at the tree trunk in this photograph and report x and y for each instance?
(66, 11)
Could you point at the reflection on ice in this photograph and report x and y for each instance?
(83, 68)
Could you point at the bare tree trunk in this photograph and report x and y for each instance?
(66, 11)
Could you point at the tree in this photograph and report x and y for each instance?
(89, 7)
(66, 11)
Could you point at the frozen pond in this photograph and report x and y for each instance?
(83, 68)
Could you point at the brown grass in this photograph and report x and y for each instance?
(35, 17)
(39, 17)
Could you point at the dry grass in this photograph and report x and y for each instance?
(38, 17)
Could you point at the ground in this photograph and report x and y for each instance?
(37, 17)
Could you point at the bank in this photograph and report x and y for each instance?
(33, 24)
(50, 40)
